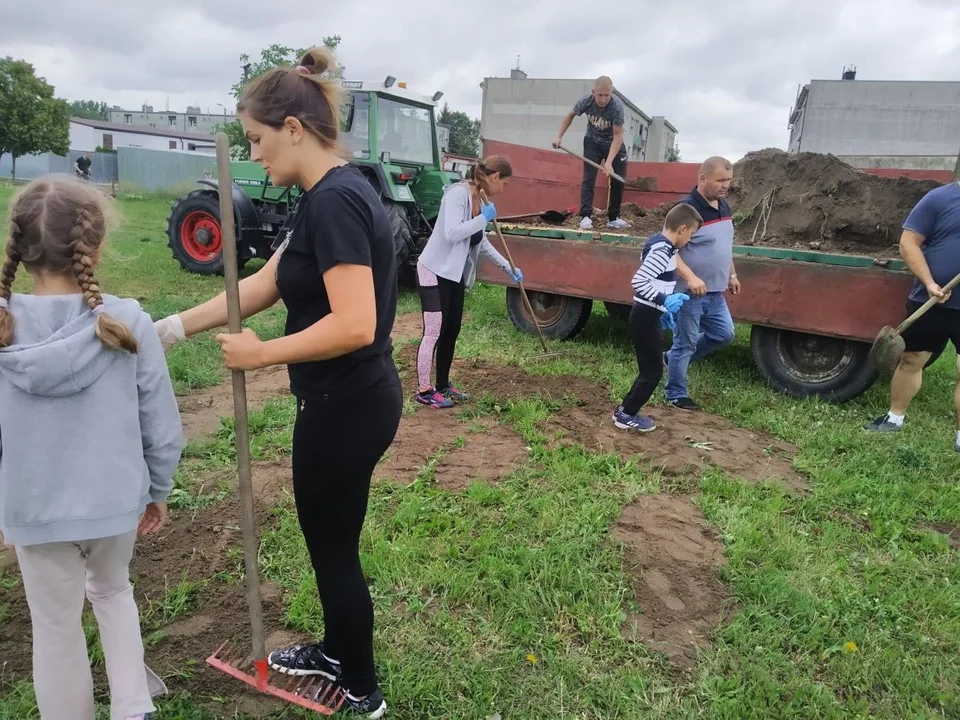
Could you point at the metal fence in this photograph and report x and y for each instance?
(163, 170)
(103, 166)
(133, 169)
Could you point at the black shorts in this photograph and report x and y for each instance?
(933, 330)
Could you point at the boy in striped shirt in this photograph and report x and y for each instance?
(654, 307)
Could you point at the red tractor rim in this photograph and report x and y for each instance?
(200, 236)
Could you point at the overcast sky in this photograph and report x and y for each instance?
(725, 74)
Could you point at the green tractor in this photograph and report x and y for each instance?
(388, 132)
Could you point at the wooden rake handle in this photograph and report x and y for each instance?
(927, 305)
(523, 292)
(591, 162)
(231, 272)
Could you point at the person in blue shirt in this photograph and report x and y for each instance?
(654, 307)
(705, 271)
(930, 245)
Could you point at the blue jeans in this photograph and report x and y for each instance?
(703, 325)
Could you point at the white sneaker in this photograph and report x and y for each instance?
(586, 223)
(618, 224)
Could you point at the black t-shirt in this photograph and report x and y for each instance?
(83, 163)
(340, 220)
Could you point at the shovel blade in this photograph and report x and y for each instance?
(886, 351)
(554, 217)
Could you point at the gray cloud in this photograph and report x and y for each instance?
(724, 74)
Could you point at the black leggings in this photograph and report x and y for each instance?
(442, 303)
(648, 344)
(336, 446)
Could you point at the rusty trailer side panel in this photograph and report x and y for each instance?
(834, 296)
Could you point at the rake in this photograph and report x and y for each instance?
(523, 293)
(313, 693)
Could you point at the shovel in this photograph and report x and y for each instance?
(551, 217)
(314, 693)
(648, 184)
(888, 347)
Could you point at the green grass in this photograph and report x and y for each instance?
(509, 599)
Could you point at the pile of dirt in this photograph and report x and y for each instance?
(817, 201)
(803, 201)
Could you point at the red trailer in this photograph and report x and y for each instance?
(813, 315)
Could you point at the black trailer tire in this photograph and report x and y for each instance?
(806, 365)
(561, 317)
(194, 235)
(617, 311)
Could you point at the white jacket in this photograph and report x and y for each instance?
(448, 253)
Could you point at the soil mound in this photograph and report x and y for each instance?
(817, 201)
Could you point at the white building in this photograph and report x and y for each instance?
(527, 111)
(193, 120)
(88, 135)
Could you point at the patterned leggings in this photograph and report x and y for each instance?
(442, 304)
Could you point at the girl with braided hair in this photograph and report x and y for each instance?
(447, 268)
(90, 437)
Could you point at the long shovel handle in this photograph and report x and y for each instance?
(231, 272)
(523, 292)
(927, 305)
(598, 166)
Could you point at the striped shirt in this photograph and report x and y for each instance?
(657, 274)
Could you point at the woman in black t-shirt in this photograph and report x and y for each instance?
(335, 272)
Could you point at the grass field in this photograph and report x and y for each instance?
(510, 597)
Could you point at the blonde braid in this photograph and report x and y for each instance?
(86, 236)
(7, 274)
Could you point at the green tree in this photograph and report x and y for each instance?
(673, 154)
(89, 110)
(270, 57)
(32, 120)
(464, 132)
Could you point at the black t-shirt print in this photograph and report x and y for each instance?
(340, 220)
(600, 120)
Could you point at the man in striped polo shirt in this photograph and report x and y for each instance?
(706, 271)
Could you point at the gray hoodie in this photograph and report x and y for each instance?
(88, 436)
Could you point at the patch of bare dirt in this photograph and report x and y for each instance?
(195, 545)
(486, 456)
(407, 327)
(201, 410)
(671, 554)
(685, 444)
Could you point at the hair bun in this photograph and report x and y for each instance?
(316, 60)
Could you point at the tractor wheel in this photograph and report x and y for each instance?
(560, 317)
(194, 235)
(402, 231)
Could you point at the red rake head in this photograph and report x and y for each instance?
(314, 693)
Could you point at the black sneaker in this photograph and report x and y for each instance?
(883, 424)
(372, 706)
(303, 660)
(684, 403)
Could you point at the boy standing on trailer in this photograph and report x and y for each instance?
(654, 307)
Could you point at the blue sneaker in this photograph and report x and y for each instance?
(882, 424)
(639, 423)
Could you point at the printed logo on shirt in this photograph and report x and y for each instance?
(279, 252)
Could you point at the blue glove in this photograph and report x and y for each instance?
(489, 211)
(516, 275)
(668, 321)
(675, 301)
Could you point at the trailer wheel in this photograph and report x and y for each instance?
(804, 365)
(560, 317)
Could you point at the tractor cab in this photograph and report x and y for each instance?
(390, 133)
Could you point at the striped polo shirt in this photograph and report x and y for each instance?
(710, 251)
(657, 274)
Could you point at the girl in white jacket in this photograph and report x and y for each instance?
(447, 268)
